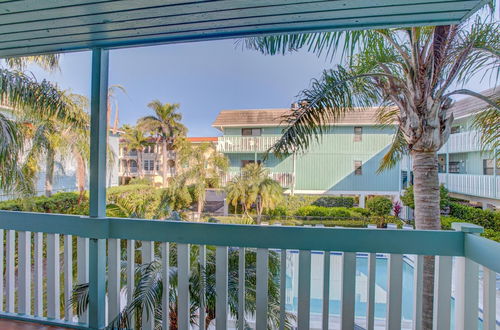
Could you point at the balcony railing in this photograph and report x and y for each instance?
(284, 178)
(246, 143)
(469, 184)
(114, 243)
(462, 142)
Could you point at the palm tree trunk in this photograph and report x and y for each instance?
(49, 171)
(140, 164)
(427, 217)
(80, 175)
(164, 163)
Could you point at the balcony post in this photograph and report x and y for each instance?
(467, 284)
(97, 185)
(495, 186)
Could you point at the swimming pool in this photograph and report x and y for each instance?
(361, 285)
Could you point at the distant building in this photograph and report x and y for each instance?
(152, 161)
(467, 171)
(345, 160)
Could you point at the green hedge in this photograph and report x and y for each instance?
(379, 205)
(62, 203)
(487, 218)
(355, 223)
(321, 211)
(334, 201)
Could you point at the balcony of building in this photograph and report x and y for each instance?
(468, 141)
(285, 179)
(235, 144)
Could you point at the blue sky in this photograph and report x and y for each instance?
(204, 77)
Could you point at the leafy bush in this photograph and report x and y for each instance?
(379, 205)
(487, 218)
(320, 211)
(334, 201)
(408, 198)
(358, 211)
(492, 234)
(446, 222)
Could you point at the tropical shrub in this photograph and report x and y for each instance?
(320, 211)
(487, 218)
(334, 201)
(379, 205)
(359, 211)
(408, 198)
(447, 220)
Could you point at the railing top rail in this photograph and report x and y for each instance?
(449, 243)
(483, 251)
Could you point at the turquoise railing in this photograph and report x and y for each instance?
(469, 251)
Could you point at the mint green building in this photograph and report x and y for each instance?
(344, 162)
(346, 159)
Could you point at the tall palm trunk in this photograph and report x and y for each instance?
(427, 214)
(80, 175)
(49, 171)
(140, 165)
(164, 162)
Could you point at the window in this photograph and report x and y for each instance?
(246, 162)
(455, 129)
(358, 167)
(251, 131)
(358, 133)
(488, 167)
(454, 167)
(149, 150)
(149, 165)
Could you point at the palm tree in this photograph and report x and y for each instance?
(488, 123)
(263, 191)
(254, 187)
(409, 73)
(166, 123)
(22, 93)
(204, 164)
(148, 292)
(136, 140)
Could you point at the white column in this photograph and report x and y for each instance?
(362, 199)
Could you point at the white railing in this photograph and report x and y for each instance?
(462, 142)
(246, 143)
(307, 264)
(284, 178)
(470, 184)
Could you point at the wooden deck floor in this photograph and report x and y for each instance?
(18, 325)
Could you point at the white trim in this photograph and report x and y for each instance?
(344, 192)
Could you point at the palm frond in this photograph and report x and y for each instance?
(397, 150)
(325, 102)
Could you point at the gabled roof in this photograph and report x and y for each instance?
(274, 117)
(472, 105)
(30, 27)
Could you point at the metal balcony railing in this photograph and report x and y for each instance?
(119, 239)
(467, 141)
(284, 178)
(474, 185)
(246, 143)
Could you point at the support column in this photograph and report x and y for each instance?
(97, 185)
(467, 284)
(362, 199)
(294, 172)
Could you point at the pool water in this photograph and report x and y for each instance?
(361, 285)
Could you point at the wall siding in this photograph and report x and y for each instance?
(329, 165)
